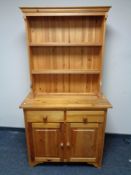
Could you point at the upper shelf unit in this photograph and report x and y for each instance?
(65, 31)
(66, 48)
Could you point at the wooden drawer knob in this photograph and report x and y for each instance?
(85, 120)
(68, 144)
(61, 144)
(45, 119)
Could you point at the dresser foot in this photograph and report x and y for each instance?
(32, 164)
(97, 165)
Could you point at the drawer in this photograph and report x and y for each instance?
(85, 116)
(44, 116)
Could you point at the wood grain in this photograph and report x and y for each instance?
(65, 30)
(83, 139)
(46, 140)
(62, 101)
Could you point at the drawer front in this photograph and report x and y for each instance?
(85, 116)
(44, 116)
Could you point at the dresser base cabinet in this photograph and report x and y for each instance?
(65, 136)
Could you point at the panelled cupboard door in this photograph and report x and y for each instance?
(47, 140)
(83, 141)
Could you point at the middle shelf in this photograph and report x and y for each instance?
(93, 44)
(65, 71)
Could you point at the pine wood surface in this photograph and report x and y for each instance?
(65, 101)
(65, 11)
(65, 30)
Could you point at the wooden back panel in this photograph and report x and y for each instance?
(48, 58)
(66, 29)
(66, 84)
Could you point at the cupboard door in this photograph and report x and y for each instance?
(83, 142)
(47, 141)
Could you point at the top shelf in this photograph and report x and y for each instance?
(64, 44)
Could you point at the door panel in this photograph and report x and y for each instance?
(84, 141)
(46, 141)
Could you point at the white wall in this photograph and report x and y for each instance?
(14, 73)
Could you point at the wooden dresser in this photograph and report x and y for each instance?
(65, 112)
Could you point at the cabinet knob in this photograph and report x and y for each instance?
(61, 144)
(85, 120)
(45, 118)
(68, 144)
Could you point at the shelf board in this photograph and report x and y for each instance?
(64, 44)
(58, 71)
